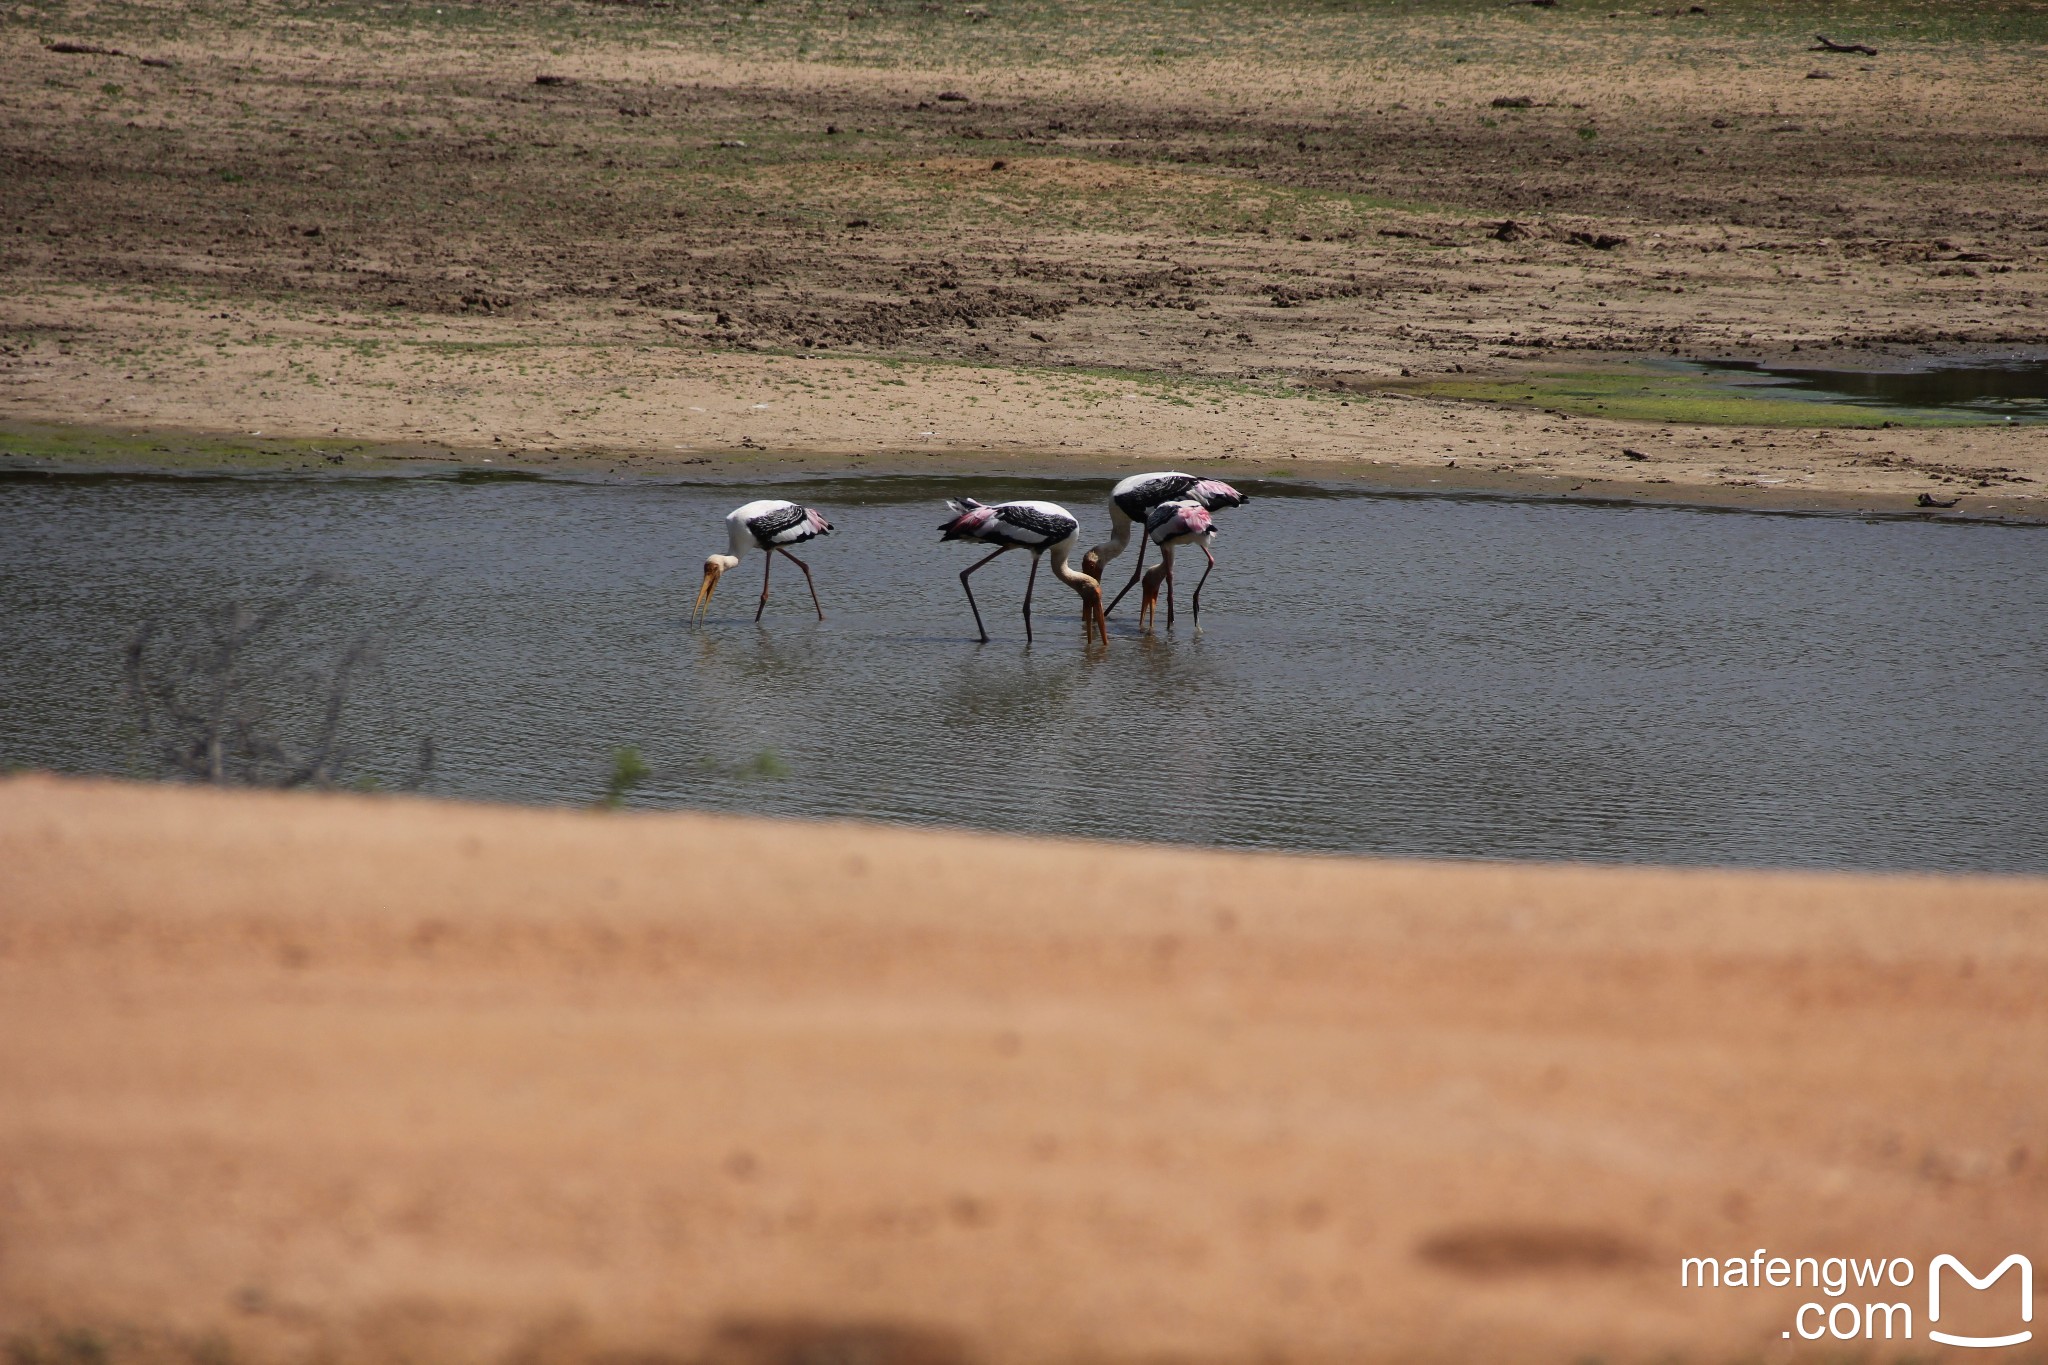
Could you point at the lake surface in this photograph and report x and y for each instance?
(1382, 674)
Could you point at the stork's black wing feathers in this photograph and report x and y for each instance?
(1047, 524)
(1149, 494)
(768, 525)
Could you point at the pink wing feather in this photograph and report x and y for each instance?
(1188, 519)
(973, 516)
(1213, 493)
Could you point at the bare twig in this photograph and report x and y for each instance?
(202, 698)
(1827, 44)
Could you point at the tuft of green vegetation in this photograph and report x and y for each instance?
(629, 770)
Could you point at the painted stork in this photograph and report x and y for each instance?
(1169, 525)
(770, 526)
(1133, 500)
(1039, 527)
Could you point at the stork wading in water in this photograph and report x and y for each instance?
(1133, 499)
(1039, 527)
(770, 526)
(1169, 526)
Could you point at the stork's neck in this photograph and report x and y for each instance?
(1119, 535)
(740, 540)
(1068, 575)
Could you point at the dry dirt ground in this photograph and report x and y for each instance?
(340, 1079)
(1136, 234)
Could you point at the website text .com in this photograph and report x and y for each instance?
(1850, 1316)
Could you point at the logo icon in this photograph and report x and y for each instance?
(2026, 1268)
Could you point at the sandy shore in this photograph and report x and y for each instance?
(731, 417)
(340, 1079)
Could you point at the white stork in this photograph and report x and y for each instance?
(1041, 528)
(1133, 500)
(1170, 525)
(770, 526)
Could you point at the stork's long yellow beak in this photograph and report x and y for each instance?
(1094, 621)
(711, 576)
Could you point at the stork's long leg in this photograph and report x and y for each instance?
(970, 590)
(812, 585)
(1029, 583)
(767, 563)
(1198, 587)
(1169, 592)
(1139, 569)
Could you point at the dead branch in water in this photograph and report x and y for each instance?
(202, 698)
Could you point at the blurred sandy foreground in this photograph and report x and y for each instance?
(336, 1079)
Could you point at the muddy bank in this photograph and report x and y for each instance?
(291, 1076)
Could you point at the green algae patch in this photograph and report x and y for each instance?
(69, 448)
(1690, 397)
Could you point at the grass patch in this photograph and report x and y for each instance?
(26, 446)
(1137, 33)
(1028, 191)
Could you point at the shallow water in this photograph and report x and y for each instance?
(2015, 387)
(1380, 674)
